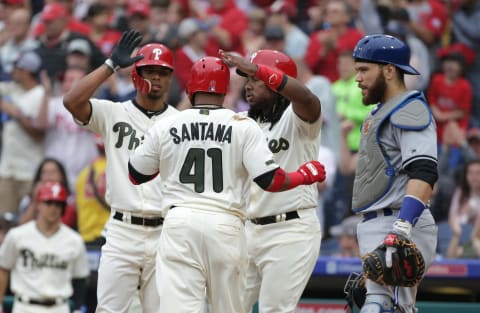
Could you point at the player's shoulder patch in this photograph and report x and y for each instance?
(241, 116)
(414, 115)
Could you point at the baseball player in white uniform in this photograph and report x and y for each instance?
(283, 231)
(132, 232)
(45, 258)
(397, 164)
(207, 156)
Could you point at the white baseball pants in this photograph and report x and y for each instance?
(201, 251)
(281, 260)
(128, 261)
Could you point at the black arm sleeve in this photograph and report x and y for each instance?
(79, 292)
(264, 180)
(138, 178)
(425, 170)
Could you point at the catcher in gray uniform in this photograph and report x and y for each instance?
(395, 174)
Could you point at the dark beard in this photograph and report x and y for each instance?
(154, 96)
(377, 91)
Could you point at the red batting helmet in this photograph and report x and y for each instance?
(275, 59)
(153, 54)
(50, 191)
(209, 74)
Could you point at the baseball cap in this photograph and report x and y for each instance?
(53, 10)
(283, 7)
(29, 61)
(14, 2)
(274, 33)
(189, 26)
(79, 45)
(473, 134)
(139, 7)
(347, 227)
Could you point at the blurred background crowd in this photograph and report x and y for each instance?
(46, 45)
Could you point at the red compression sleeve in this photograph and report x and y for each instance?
(273, 78)
(279, 177)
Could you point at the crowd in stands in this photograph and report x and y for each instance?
(46, 45)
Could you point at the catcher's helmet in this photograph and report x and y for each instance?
(209, 74)
(153, 54)
(384, 49)
(275, 59)
(50, 191)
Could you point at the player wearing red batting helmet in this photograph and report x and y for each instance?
(209, 75)
(135, 223)
(284, 223)
(53, 194)
(154, 54)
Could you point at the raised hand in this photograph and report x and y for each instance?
(312, 172)
(122, 53)
(235, 59)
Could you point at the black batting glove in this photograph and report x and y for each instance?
(121, 54)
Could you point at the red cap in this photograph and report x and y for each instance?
(140, 7)
(458, 48)
(283, 7)
(53, 11)
(50, 191)
(14, 2)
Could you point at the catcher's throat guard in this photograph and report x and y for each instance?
(355, 291)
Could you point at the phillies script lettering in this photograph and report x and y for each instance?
(41, 261)
(126, 135)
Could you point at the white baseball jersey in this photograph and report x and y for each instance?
(43, 267)
(205, 157)
(122, 126)
(293, 142)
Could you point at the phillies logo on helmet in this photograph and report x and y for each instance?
(157, 52)
(212, 85)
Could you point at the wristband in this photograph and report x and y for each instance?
(111, 65)
(411, 209)
(273, 78)
(278, 179)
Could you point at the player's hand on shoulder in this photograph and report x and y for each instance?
(237, 60)
(312, 171)
(122, 53)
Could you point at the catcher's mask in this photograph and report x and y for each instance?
(274, 59)
(355, 291)
(153, 54)
(210, 75)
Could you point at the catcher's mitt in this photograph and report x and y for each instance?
(407, 263)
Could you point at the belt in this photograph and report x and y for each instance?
(374, 214)
(43, 302)
(138, 220)
(275, 218)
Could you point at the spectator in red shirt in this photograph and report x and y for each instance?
(450, 93)
(193, 35)
(57, 9)
(228, 23)
(326, 45)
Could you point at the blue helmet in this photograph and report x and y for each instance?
(384, 49)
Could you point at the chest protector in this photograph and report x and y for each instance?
(375, 174)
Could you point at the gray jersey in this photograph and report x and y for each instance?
(402, 142)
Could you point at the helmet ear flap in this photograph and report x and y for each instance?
(141, 84)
